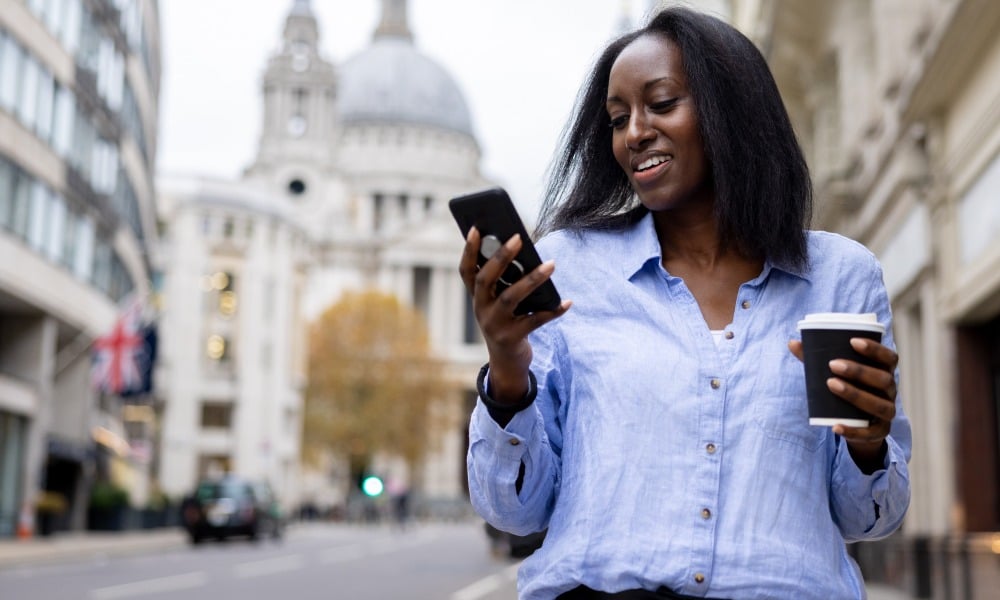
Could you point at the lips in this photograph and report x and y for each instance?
(651, 162)
(648, 167)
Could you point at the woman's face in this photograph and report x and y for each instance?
(655, 136)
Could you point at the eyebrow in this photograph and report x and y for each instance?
(645, 87)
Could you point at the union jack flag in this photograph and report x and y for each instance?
(122, 358)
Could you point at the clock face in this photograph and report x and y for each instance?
(300, 62)
(296, 125)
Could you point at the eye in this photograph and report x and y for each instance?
(619, 121)
(663, 106)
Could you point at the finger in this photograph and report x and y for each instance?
(873, 434)
(468, 265)
(796, 348)
(522, 288)
(876, 351)
(872, 377)
(880, 408)
(525, 324)
(493, 269)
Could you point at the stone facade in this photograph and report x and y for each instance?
(897, 105)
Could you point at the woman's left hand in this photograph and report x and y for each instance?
(867, 444)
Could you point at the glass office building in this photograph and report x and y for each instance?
(79, 86)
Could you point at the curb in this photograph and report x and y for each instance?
(77, 546)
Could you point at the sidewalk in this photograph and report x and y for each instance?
(885, 592)
(87, 544)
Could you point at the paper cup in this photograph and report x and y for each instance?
(826, 336)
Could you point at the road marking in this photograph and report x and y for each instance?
(171, 583)
(486, 585)
(269, 566)
(340, 554)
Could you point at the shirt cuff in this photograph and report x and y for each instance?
(510, 441)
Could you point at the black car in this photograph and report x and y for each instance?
(231, 506)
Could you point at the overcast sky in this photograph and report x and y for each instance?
(518, 62)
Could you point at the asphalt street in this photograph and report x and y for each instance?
(434, 561)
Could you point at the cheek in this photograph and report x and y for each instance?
(620, 152)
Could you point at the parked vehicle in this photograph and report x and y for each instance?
(231, 506)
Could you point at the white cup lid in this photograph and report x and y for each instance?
(832, 320)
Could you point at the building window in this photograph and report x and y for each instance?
(422, 290)
(11, 60)
(227, 303)
(296, 187)
(13, 440)
(214, 465)
(217, 348)
(471, 333)
(379, 211)
(216, 415)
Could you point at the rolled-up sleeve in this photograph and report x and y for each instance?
(531, 441)
(871, 506)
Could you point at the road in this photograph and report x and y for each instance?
(433, 561)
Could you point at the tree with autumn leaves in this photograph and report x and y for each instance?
(373, 382)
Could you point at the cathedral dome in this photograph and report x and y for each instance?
(391, 81)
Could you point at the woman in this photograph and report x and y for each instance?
(659, 429)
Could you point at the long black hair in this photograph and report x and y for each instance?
(763, 193)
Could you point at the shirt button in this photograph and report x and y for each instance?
(699, 578)
(514, 441)
(710, 448)
(745, 304)
(706, 514)
(730, 335)
(716, 384)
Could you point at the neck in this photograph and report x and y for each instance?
(690, 235)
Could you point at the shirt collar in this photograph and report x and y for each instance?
(640, 245)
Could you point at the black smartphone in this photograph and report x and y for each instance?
(493, 214)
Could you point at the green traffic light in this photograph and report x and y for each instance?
(372, 486)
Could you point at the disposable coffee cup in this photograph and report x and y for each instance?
(826, 336)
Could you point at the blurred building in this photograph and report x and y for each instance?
(232, 365)
(354, 168)
(897, 104)
(79, 83)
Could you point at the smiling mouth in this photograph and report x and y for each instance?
(651, 162)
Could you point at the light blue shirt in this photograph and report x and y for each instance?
(655, 457)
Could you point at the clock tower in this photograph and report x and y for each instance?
(300, 93)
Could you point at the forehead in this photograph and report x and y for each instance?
(648, 57)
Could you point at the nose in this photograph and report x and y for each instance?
(639, 131)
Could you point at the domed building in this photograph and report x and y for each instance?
(364, 156)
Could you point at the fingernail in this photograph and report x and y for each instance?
(838, 429)
(835, 384)
(859, 343)
(516, 236)
(838, 366)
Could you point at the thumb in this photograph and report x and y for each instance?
(795, 346)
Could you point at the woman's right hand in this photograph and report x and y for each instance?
(505, 333)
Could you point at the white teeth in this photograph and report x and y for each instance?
(651, 162)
